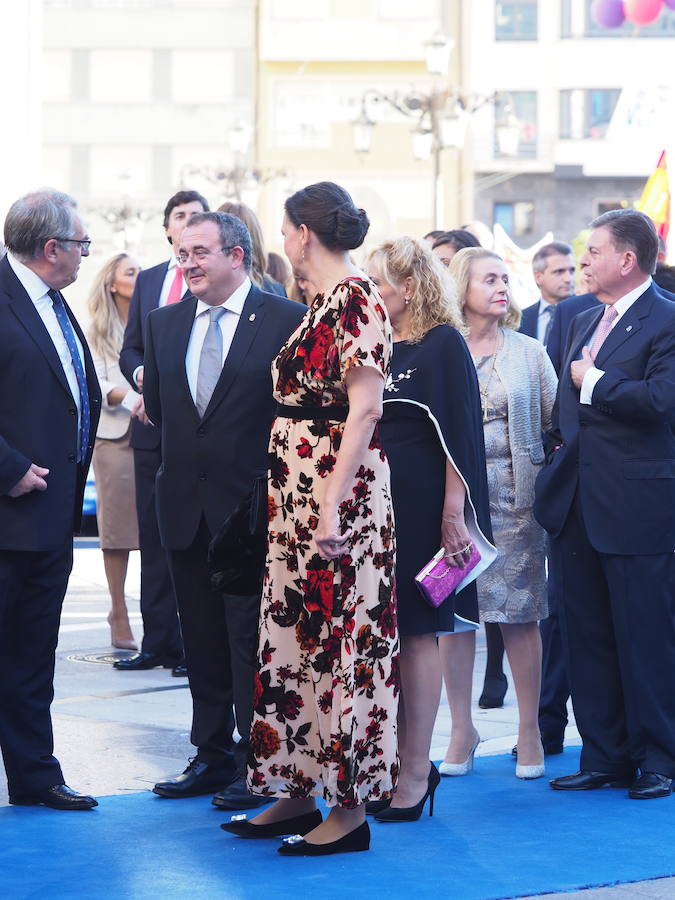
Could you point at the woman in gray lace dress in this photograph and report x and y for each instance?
(517, 387)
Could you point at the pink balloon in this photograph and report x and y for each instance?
(642, 12)
(608, 13)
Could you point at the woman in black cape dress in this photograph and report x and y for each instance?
(432, 433)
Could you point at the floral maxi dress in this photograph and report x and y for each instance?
(326, 689)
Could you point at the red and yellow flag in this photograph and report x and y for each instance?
(655, 199)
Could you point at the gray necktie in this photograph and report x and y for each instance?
(548, 310)
(210, 360)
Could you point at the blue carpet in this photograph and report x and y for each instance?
(491, 836)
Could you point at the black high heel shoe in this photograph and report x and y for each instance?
(243, 827)
(354, 841)
(494, 691)
(376, 806)
(412, 813)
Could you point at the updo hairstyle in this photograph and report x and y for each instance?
(328, 210)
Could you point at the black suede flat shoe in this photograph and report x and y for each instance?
(356, 840)
(243, 827)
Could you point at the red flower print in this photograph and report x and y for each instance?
(314, 348)
(325, 464)
(353, 312)
(278, 471)
(326, 701)
(272, 508)
(306, 635)
(319, 592)
(264, 740)
(304, 449)
(386, 622)
(289, 706)
(257, 690)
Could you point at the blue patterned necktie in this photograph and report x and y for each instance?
(69, 335)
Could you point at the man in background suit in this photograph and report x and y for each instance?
(208, 387)
(607, 498)
(50, 407)
(554, 270)
(161, 285)
(562, 318)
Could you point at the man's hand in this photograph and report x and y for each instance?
(139, 378)
(138, 411)
(580, 366)
(33, 480)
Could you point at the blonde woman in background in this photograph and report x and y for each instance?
(113, 460)
(258, 273)
(432, 435)
(517, 388)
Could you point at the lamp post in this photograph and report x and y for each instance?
(442, 117)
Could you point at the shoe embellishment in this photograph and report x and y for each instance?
(294, 839)
(238, 818)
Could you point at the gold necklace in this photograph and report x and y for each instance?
(485, 390)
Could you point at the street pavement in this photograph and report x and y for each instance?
(117, 732)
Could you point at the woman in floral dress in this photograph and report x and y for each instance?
(326, 690)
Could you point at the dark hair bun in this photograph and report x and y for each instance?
(351, 227)
(329, 211)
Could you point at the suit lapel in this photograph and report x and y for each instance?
(182, 330)
(24, 309)
(628, 325)
(581, 340)
(249, 323)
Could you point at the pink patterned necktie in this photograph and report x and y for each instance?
(604, 329)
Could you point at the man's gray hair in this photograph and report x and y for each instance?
(233, 232)
(37, 217)
(555, 248)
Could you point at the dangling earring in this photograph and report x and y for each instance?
(407, 301)
(302, 258)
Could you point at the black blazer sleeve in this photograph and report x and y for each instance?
(151, 376)
(131, 355)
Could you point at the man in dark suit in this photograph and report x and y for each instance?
(50, 407)
(161, 285)
(554, 270)
(607, 498)
(208, 387)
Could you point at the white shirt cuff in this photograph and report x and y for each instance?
(134, 374)
(591, 378)
(130, 399)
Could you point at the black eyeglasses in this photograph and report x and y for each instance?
(200, 254)
(84, 245)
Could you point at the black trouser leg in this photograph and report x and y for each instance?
(241, 614)
(207, 651)
(32, 588)
(161, 630)
(593, 671)
(554, 684)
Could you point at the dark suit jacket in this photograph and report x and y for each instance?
(564, 313)
(618, 452)
(146, 296)
(38, 424)
(209, 465)
(530, 320)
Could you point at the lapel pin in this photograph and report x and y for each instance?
(251, 318)
(629, 327)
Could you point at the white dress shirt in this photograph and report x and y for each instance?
(227, 324)
(37, 290)
(593, 375)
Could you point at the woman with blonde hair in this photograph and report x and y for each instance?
(113, 460)
(258, 272)
(432, 435)
(517, 389)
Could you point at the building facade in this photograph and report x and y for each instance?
(562, 76)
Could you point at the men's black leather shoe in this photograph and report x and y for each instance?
(237, 796)
(58, 796)
(199, 778)
(589, 781)
(651, 785)
(143, 661)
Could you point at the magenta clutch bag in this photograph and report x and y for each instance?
(437, 580)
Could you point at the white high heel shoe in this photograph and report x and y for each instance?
(528, 773)
(464, 768)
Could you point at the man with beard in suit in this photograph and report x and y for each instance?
(208, 387)
(51, 402)
(606, 496)
(161, 285)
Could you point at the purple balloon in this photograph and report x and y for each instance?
(609, 13)
(670, 4)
